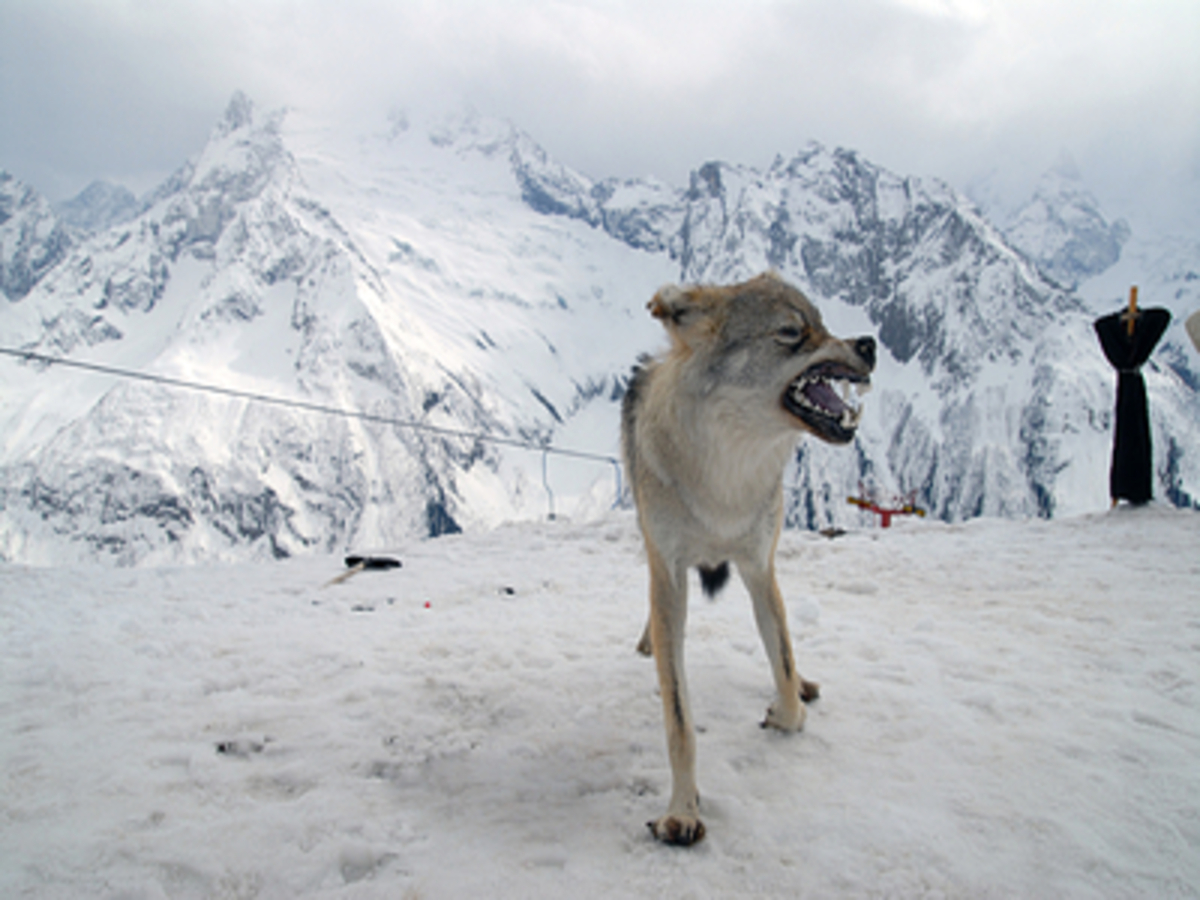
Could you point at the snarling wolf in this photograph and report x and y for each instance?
(707, 429)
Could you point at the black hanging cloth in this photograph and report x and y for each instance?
(1132, 461)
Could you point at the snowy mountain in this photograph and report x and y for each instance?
(99, 206)
(32, 239)
(1063, 231)
(462, 288)
(402, 277)
(993, 399)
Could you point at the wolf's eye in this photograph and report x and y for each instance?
(790, 334)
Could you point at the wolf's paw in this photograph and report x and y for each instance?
(809, 691)
(682, 831)
(784, 720)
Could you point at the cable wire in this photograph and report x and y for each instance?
(305, 405)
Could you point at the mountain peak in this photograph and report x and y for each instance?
(1063, 230)
(1065, 167)
(467, 130)
(32, 239)
(100, 205)
(238, 114)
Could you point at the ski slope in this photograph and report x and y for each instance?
(1009, 709)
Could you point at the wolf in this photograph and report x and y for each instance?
(706, 430)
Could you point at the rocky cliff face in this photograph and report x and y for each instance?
(32, 239)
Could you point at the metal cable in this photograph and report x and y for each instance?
(307, 406)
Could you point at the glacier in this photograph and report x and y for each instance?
(480, 301)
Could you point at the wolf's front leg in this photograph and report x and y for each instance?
(668, 618)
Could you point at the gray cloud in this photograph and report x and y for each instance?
(960, 89)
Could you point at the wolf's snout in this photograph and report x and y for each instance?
(865, 348)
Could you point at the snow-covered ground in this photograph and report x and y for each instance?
(1009, 709)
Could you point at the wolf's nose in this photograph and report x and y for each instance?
(865, 347)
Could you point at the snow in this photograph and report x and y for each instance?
(1009, 708)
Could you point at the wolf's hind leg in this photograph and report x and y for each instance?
(645, 646)
(786, 713)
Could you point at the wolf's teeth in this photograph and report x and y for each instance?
(852, 410)
(863, 387)
(799, 396)
(850, 395)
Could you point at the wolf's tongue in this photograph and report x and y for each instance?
(821, 394)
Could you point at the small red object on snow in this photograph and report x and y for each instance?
(427, 604)
(885, 513)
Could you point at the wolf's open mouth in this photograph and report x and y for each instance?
(826, 398)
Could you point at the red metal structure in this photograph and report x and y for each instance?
(869, 501)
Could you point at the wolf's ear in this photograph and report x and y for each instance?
(683, 311)
(671, 305)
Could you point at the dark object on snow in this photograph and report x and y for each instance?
(241, 748)
(372, 562)
(1127, 347)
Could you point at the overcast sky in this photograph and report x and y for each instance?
(964, 90)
